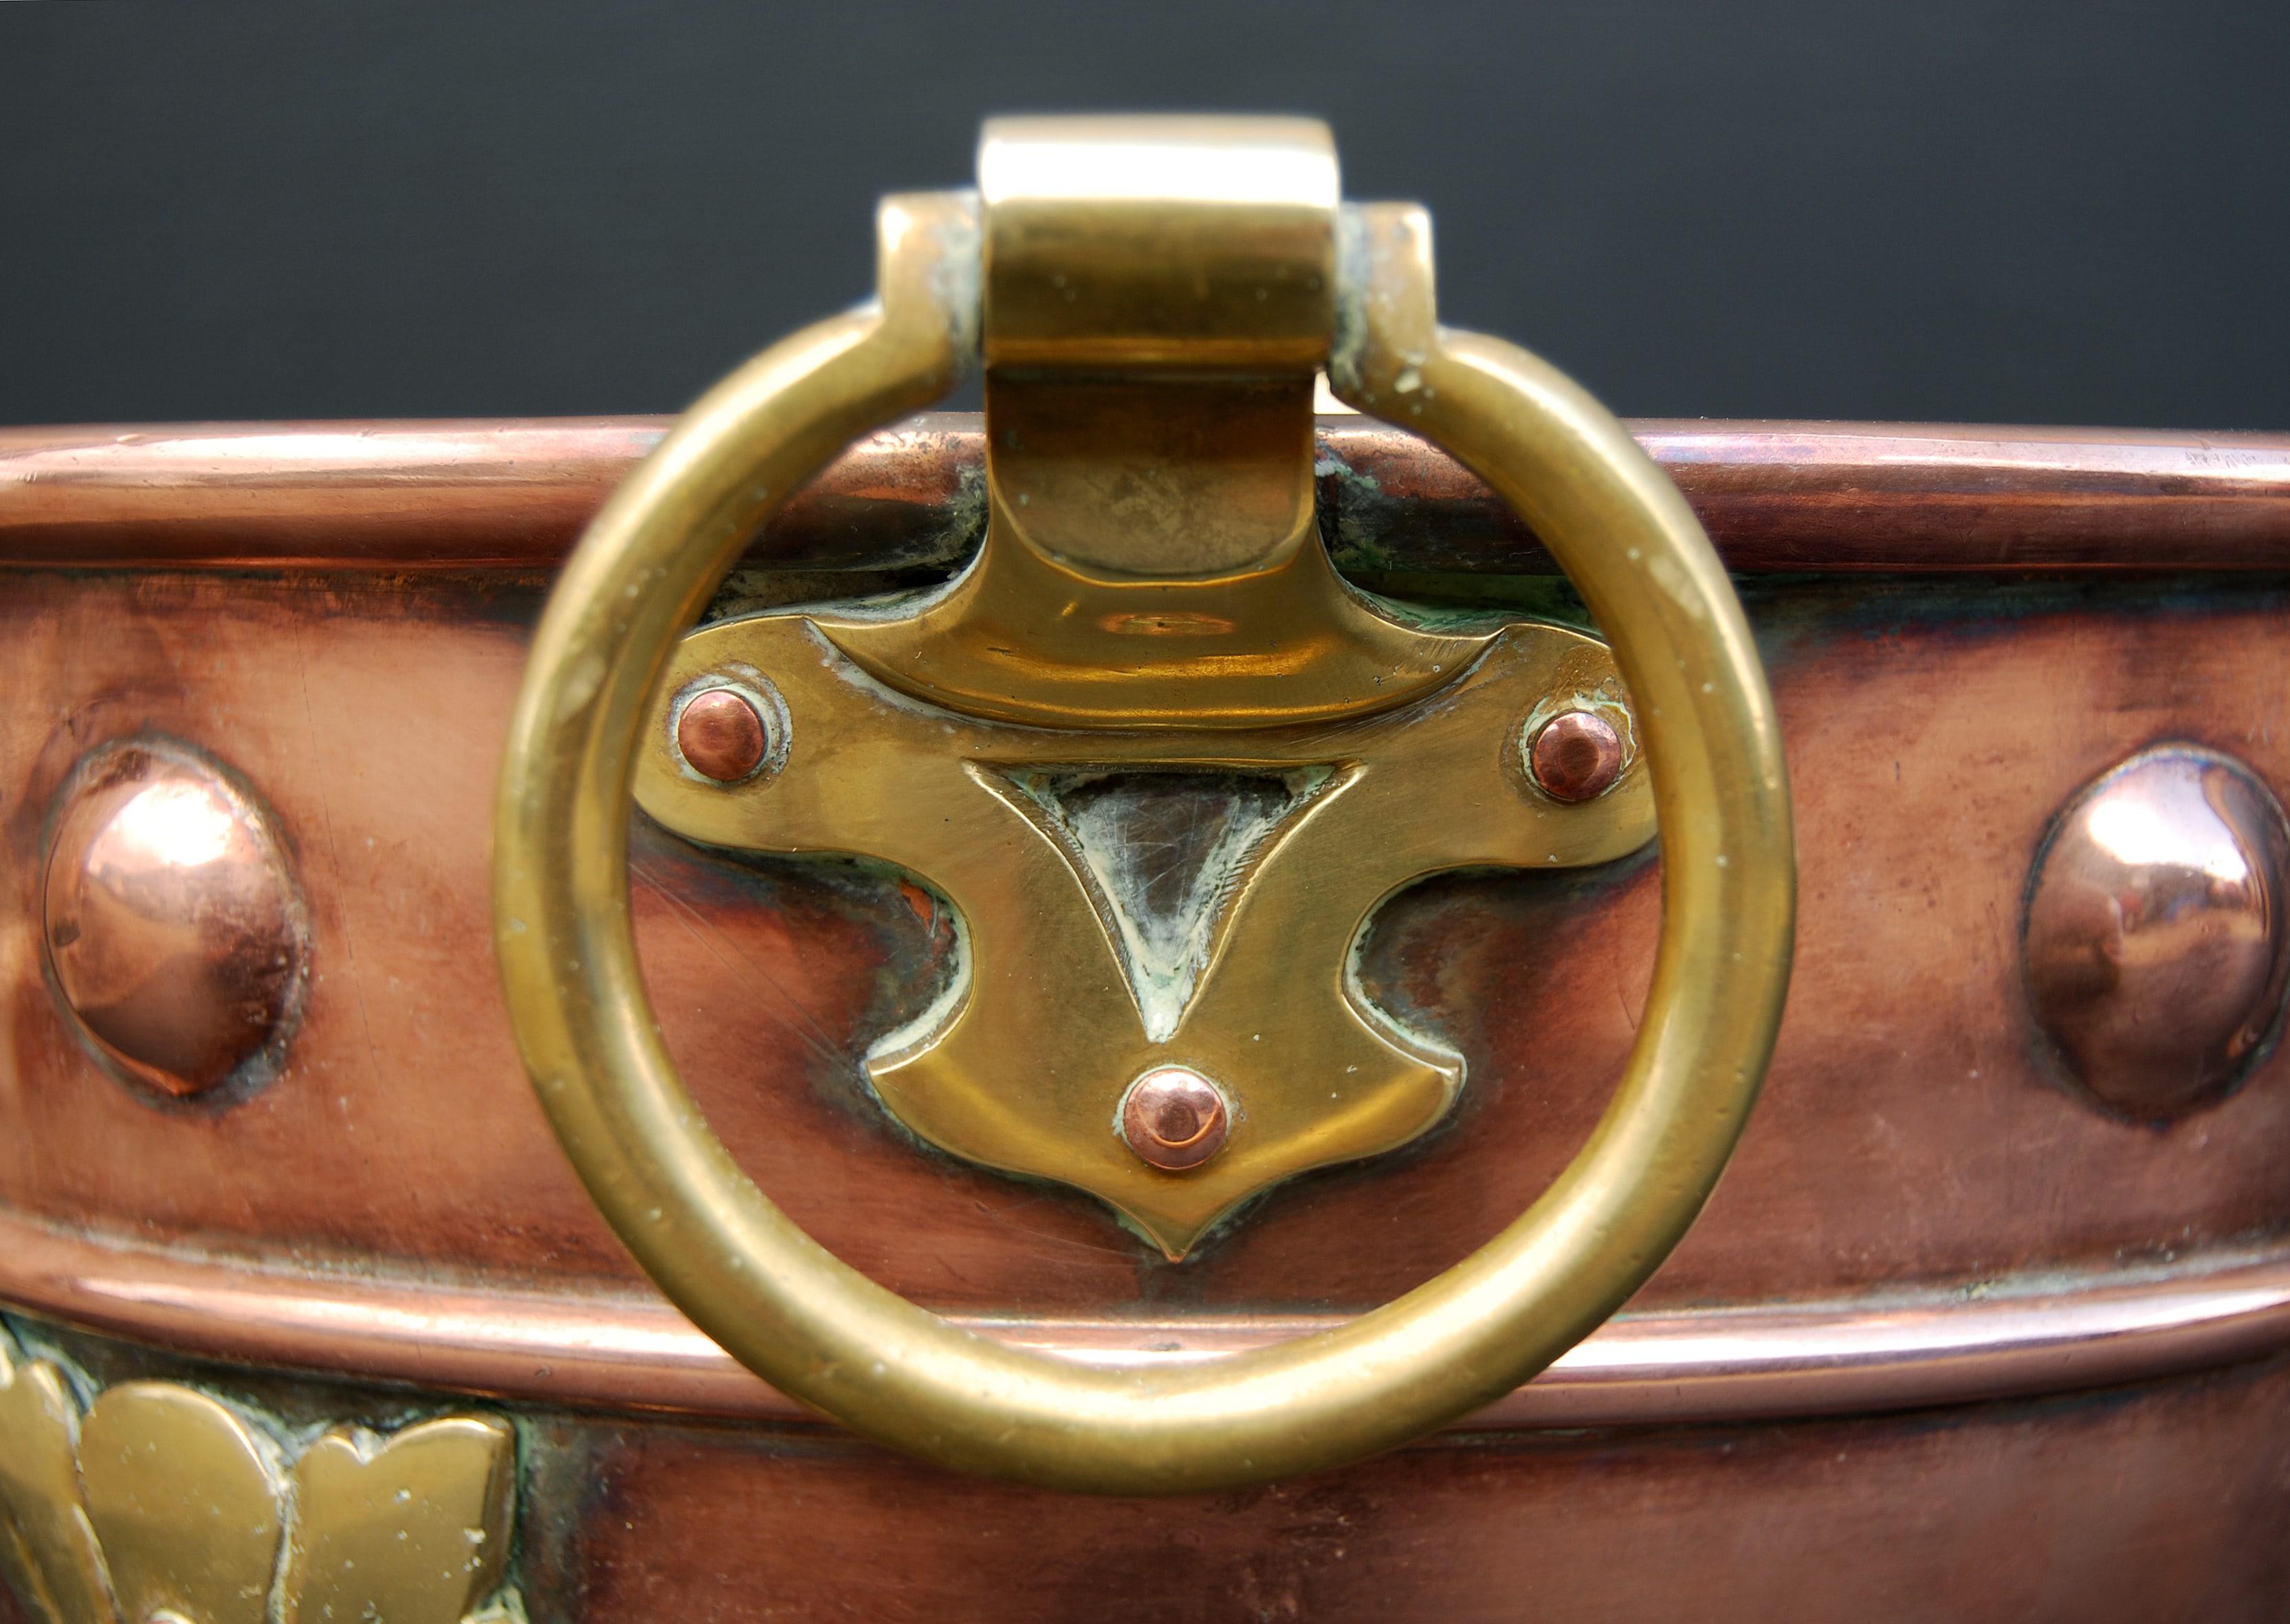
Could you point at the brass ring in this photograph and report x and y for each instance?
(822, 1332)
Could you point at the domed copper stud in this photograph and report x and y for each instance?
(173, 929)
(1575, 757)
(2155, 942)
(1174, 1118)
(721, 735)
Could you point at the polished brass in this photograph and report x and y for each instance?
(818, 1330)
(174, 931)
(1158, 295)
(187, 1500)
(1174, 1118)
(413, 1528)
(1150, 605)
(1067, 989)
(47, 1548)
(2156, 944)
(162, 1502)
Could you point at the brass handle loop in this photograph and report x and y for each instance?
(822, 1332)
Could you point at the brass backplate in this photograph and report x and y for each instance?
(1073, 978)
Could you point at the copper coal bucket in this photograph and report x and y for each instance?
(1132, 1006)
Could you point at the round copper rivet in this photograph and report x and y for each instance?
(721, 735)
(1576, 756)
(172, 926)
(2157, 946)
(1174, 1118)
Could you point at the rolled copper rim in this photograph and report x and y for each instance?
(626, 1353)
(514, 495)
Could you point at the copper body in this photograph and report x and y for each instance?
(2040, 1329)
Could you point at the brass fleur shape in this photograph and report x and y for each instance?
(163, 1502)
(1070, 983)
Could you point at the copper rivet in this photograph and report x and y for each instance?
(721, 735)
(2155, 942)
(172, 926)
(1174, 1118)
(1576, 756)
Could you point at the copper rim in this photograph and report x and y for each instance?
(515, 493)
(622, 1352)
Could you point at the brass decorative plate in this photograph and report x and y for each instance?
(1134, 901)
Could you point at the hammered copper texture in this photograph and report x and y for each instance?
(1914, 1128)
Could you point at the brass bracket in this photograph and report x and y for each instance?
(1162, 760)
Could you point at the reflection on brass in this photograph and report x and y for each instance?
(1174, 1118)
(164, 1503)
(49, 1552)
(1248, 757)
(1074, 977)
(1158, 295)
(1122, 198)
(186, 1499)
(2156, 942)
(171, 920)
(720, 735)
(412, 1528)
(1575, 757)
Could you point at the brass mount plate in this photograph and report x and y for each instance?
(1164, 764)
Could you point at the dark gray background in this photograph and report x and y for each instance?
(2068, 213)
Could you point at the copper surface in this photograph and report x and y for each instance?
(1576, 756)
(514, 495)
(2155, 1503)
(720, 736)
(2155, 942)
(2161, 1505)
(171, 921)
(401, 1209)
(1173, 1118)
(369, 713)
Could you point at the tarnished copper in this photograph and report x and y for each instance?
(720, 735)
(1576, 756)
(1174, 1118)
(172, 922)
(2155, 943)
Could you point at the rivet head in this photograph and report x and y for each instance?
(721, 735)
(1575, 757)
(1174, 1118)
(2154, 945)
(174, 931)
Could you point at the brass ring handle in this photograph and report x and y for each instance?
(818, 1330)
